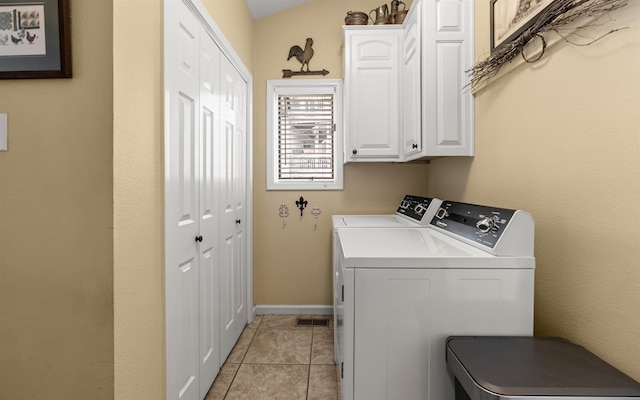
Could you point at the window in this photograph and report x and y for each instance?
(304, 134)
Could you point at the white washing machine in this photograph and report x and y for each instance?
(412, 212)
(402, 291)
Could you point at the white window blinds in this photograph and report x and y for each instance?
(306, 140)
(304, 134)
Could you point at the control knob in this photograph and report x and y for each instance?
(485, 224)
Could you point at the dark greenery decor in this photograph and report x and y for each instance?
(557, 15)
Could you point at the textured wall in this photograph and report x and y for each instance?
(56, 262)
(138, 189)
(138, 193)
(292, 266)
(234, 20)
(561, 139)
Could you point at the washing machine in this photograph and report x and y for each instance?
(403, 291)
(413, 211)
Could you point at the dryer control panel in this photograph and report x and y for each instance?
(419, 209)
(486, 227)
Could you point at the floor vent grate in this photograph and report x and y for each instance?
(312, 322)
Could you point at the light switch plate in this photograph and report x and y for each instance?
(3, 132)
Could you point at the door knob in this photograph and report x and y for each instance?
(199, 238)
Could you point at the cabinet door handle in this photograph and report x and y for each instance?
(199, 238)
(414, 146)
(238, 221)
(355, 152)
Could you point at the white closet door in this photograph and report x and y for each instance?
(240, 301)
(232, 264)
(205, 210)
(182, 211)
(209, 217)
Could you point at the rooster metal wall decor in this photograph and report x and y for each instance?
(303, 56)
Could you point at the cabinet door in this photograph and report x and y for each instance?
(232, 208)
(393, 324)
(411, 93)
(447, 55)
(372, 88)
(402, 317)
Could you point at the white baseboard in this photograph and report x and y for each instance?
(295, 310)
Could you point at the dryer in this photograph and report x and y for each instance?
(402, 291)
(412, 212)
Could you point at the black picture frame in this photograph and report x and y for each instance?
(509, 19)
(35, 39)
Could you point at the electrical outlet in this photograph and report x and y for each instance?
(3, 132)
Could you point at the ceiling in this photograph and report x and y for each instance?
(264, 8)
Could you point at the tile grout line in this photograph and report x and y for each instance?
(241, 361)
(261, 326)
(309, 367)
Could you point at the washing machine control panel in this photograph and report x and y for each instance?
(417, 207)
(480, 224)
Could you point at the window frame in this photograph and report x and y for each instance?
(277, 87)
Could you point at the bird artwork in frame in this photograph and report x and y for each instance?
(303, 56)
(35, 39)
(24, 26)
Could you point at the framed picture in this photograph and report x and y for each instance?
(510, 18)
(35, 39)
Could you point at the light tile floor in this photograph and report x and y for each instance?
(275, 359)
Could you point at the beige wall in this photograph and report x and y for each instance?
(292, 266)
(137, 194)
(561, 139)
(81, 290)
(138, 189)
(56, 262)
(234, 20)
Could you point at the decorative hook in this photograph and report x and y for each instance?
(315, 211)
(302, 203)
(283, 212)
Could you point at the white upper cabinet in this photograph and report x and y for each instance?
(372, 90)
(417, 106)
(411, 86)
(447, 55)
